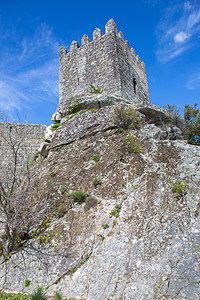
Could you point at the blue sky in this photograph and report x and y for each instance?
(165, 34)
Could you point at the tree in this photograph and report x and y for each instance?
(15, 216)
(192, 119)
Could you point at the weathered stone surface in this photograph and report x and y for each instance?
(43, 149)
(48, 134)
(150, 251)
(158, 115)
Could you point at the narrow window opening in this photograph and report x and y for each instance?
(78, 81)
(134, 85)
(10, 129)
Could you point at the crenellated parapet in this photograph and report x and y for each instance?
(107, 62)
(110, 28)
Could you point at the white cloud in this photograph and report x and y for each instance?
(180, 37)
(187, 5)
(177, 34)
(29, 71)
(194, 82)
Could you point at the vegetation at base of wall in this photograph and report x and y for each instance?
(61, 211)
(96, 157)
(96, 181)
(94, 90)
(4, 296)
(38, 294)
(79, 196)
(55, 126)
(73, 109)
(132, 144)
(126, 117)
(179, 187)
(90, 202)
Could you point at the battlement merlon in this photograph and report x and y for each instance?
(107, 62)
(110, 27)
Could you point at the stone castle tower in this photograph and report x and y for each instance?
(107, 63)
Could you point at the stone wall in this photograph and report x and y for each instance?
(107, 62)
(27, 137)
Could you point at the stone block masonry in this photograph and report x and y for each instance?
(107, 63)
(27, 136)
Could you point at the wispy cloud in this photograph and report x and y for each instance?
(28, 70)
(194, 81)
(178, 30)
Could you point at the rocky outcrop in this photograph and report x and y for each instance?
(141, 238)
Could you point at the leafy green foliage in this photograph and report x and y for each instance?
(75, 108)
(38, 294)
(79, 196)
(57, 296)
(55, 126)
(179, 187)
(90, 202)
(94, 90)
(96, 181)
(126, 117)
(132, 143)
(4, 296)
(192, 119)
(27, 283)
(96, 157)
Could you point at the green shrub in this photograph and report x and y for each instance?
(27, 282)
(96, 157)
(61, 211)
(192, 119)
(94, 90)
(105, 226)
(79, 196)
(90, 202)
(38, 294)
(179, 187)
(131, 142)
(4, 296)
(63, 189)
(57, 296)
(126, 117)
(96, 181)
